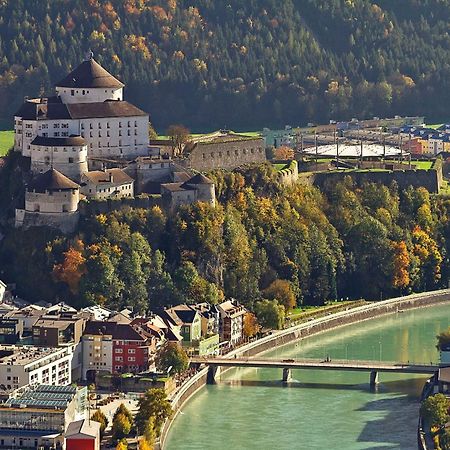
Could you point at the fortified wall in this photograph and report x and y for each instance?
(94, 207)
(429, 179)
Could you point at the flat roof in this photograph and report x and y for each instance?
(13, 355)
(42, 396)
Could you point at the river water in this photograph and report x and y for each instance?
(250, 409)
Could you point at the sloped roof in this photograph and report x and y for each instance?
(121, 331)
(198, 179)
(77, 141)
(184, 312)
(110, 108)
(52, 180)
(87, 428)
(33, 110)
(99, 176)
(90, 74)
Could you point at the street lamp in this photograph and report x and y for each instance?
(381, 347)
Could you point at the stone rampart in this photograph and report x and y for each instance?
(92, 207)
(428, 179)
(303, 330)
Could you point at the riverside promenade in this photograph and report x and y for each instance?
(299, 331)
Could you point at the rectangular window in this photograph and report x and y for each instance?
(72, 92)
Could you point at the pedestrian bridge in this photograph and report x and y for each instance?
(373, 367)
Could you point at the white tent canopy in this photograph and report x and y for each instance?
(354, 151)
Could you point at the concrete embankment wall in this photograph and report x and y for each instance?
(303, 330)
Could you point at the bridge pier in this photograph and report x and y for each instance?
(213, 374)
(287, 375)
(373, 379)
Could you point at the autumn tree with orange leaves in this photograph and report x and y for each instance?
(72, 267)
(401, 262)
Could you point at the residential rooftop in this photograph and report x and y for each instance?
(15, 355)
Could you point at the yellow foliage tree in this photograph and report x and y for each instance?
(401, 265)
(251, 325)
(281, 290)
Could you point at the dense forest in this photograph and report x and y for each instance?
(238, 63)
(263, 241)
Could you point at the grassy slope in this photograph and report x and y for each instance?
(6, 141)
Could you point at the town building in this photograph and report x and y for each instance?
(83, 434)
(20, 366)
(36, 417)
(88, 103)
(51, 199)
(114, 348)
(57, 332)
(188, 319)
(231, 321)
(26, 316)
(11, 330)
(109, 183)
(223, 150)
(199, 188)
(2, 290)
(68, 155)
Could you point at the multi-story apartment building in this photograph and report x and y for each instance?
(231, 321)
(20, 366)
(115, 348)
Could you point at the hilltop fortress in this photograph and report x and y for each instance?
(86, 142)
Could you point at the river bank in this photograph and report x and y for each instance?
(304, 330)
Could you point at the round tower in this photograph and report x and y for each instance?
(204, 187)
(89, 83)
(67, 155)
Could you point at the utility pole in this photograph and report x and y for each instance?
(317, 148)
(337, 153)
(361, 153)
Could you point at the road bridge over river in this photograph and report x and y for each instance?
(373, 367)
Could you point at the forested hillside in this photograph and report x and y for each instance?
(262, 241)
(238, 63)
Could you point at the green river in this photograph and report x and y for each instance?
(250, 409)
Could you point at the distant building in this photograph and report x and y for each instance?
(57, 332)
(20, 366)
(51, 199)
(109, 183)
(88, 103)
(198, 332)
(68, 155)
(36, 417)
(231, 321)
(199, 188)
(187, 319)
(279, 138)
(114, 348)
(11, 331)
(2, 290)
(223, 150)
(83, 435)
